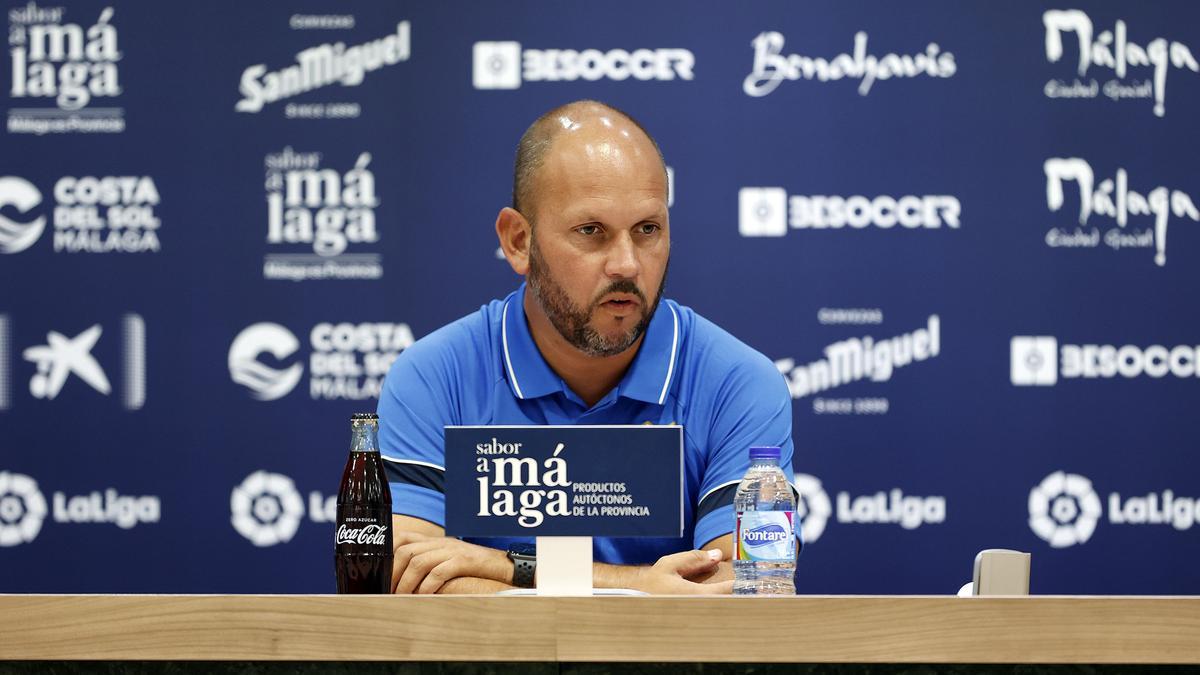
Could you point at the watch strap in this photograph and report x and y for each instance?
(524, 569)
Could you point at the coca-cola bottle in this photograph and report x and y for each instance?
(363, 545)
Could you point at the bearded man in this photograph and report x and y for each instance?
(587, 339)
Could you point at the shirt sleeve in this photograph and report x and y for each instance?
(752, 407)
(414, 406)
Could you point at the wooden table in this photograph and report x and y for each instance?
(811, 629)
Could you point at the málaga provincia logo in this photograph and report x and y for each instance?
(266, 508)
(64, 359)
(1041, 361)
(855, 359)
(90, 214)
(322, 66)
(771, 66)
(1139, 70)
(23, 508)
(315, 214)
(885, 507)
(347, 361)
(64, 66)
(1132, 219)
(1065, 508)
(769, 212)
(505, 65)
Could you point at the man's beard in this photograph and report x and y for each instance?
(573, 323)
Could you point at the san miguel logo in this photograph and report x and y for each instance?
(60, 69)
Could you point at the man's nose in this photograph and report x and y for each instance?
(622, 258)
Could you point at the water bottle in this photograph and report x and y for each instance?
(764, 559)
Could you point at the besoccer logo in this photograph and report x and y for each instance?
(1063, 509)
(23, 196)
(22, 509)
(1034, 361)
(266, 508)
(762, 212)
(265, 383)
(813, 508)
(497, 65)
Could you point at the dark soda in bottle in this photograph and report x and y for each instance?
(363, 543)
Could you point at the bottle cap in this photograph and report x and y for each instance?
(364, 417)
(765, 453)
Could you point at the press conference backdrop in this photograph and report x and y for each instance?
(966, 233)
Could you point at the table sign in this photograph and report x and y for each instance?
(567, 482)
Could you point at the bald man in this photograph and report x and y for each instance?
(587, 339)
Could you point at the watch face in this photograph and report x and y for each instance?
(524, 550)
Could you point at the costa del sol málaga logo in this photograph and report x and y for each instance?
(265, 383)
(22, 509)
(266, 508)
(23, 196)
(1064, 509)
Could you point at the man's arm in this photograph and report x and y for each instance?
(426, 561)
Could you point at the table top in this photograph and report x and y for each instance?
(813, 629)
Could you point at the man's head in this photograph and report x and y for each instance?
(589, 225)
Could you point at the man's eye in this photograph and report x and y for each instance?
(648, 228)
(588, 229)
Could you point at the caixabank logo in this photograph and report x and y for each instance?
(86, 214)
(322, 66)
(1131, 67)
(267, 509)
(1065, 509)
(885, 507)
(61, 67)
(1112, 214)
(506, 65)
(771, 66)
(321, 222)
(24, 509)
(69, 360)
(865, 358)
(771, 212)
(346, 361)
(1042, 361)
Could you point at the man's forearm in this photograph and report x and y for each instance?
(605, 575)
(472, 586)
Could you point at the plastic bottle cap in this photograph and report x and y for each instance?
(765, 453)
(364, 416)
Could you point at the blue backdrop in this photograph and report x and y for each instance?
(965, 232)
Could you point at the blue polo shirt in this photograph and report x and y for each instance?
(486, 369)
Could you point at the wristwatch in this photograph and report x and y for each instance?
(524, 558)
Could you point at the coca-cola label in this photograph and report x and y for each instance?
(373, 535)
(359, 526)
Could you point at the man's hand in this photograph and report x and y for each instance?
(423, 564)
(671, 574)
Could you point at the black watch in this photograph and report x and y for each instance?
(524, 558)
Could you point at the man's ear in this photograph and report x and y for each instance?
(514, 233)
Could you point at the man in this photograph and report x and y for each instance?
(585, 340)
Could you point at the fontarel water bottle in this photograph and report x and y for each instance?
(764, 559)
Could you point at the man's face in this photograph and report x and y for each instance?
(601, 243)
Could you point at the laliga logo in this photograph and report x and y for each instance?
(502, 65)
(266, 508)
(813, 508)
(22, 509)
(1063, 509)
(20, 193)
(264, 383)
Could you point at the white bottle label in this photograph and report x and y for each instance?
(766, 536)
